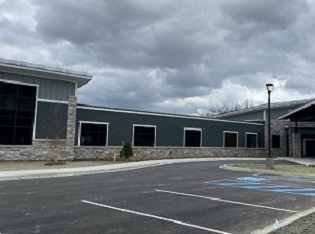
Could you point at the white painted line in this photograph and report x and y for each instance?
(157, 217)
(223, 200)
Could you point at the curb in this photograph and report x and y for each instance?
(53, 174)
(231, 168)
(65, 172)
(285, 222)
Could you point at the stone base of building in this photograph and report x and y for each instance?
(160, 152)
(41, 150)
(44, 150)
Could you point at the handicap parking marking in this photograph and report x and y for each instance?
(265, 176)
(265, 187)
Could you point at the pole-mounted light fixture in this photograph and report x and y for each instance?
(269, 161)
(269, 87)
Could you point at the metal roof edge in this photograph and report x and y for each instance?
(276, 105)
(44, 71)
(297, 110)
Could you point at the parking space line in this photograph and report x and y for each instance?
(223, 200)
(156, 217)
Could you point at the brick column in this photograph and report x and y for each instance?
(296, 145)
(71, 124)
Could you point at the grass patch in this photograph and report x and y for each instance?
(280, 168)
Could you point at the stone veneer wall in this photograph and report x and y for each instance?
(19, 153)
(89, 152)
(277, 128)
(71, 124)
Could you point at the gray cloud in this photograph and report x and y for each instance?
(167, 55)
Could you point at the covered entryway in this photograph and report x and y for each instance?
(308, 146)
(302, 130)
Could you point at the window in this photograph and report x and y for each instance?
(192, 137)
(251, 140)
(17, 113)
(93, 134)
(144, 135)
(230, 139)
(275, 141)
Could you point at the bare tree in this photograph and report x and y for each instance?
(245, 104)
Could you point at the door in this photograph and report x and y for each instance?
(309, 147)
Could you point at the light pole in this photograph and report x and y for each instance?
(269, 160)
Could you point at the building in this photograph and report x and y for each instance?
(40, 119)
(292, 125)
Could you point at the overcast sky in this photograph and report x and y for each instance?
(177, 56)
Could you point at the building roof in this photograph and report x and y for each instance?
(18, 67)
(304, 112)
(275, 105)
(100, 108)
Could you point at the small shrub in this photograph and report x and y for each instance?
(126, 151)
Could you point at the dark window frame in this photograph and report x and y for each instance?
(192, 130)
(92, 128)
(22, 118)
(225, 139)
(275, 141)
(251, 134)
(137, 142)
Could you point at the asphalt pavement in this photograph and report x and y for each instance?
(175, 198)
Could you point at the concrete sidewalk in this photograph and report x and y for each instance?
(63, 172)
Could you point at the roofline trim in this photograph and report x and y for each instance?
(276, 105)
(297, 110)
(43, 71)
(161, 114)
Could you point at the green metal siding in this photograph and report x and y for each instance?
(51, 122)
(48, 88)
(169, 130)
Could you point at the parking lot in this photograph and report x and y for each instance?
(178, 198)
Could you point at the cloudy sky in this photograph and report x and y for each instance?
(177, 56)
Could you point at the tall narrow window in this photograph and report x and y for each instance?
(192, 137)
(275, 141)
(144, 135)
(230, 139)
(251, 140)
(93, 134)
(17, 113)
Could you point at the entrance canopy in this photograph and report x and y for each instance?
(304, 113)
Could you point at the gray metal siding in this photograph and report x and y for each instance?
(246, 116)
(51, 122)
(169, 130)
(276, 113)
(48, 88)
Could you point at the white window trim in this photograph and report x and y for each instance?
(141, 125)
(251, 133)
(36, 100)
(52, 101)
(92, 122)
(224, 138)
(192, 129)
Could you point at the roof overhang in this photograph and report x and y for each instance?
(304, 112)
(17, 67)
